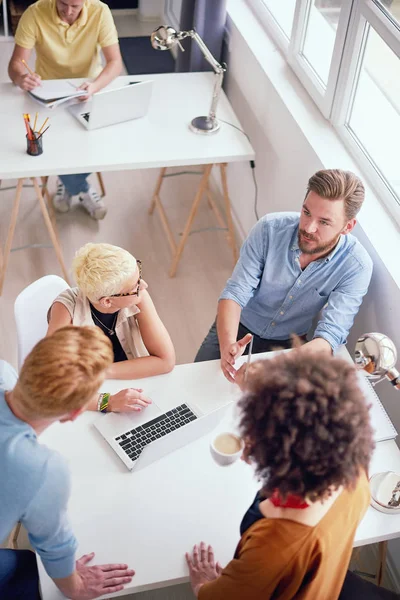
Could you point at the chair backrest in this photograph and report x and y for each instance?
(30, 310)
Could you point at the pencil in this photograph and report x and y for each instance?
(40, 130)
(36, 118)
(39, 136)
(27, 67)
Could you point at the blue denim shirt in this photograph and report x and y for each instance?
(278, 298)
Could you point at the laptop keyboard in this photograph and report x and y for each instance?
(86, 116)
(134, 441)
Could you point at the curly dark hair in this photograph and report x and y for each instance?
(306, 424)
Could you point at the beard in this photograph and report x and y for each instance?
(323, 248)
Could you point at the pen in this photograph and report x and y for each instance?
(28, 129)
(39, 136)
(40, 130)
(34, 124)
(249, 357)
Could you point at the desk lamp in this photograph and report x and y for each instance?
(165, 38)
(377, 355)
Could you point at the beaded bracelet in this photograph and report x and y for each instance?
(104, 403)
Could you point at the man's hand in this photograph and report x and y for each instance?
(29, 82)
(202, 567)
(129, 400)
(230, 354)
(90, 88)
(98, 580)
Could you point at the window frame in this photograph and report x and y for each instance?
(335, 100)
(365, 12)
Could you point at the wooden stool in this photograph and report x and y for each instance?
(49, 219)
(204, 188)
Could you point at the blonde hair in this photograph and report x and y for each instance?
(335, 184)
(63, 372)
(102, 269)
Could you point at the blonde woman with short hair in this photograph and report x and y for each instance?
(112, 295)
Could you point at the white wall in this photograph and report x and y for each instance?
(284, 161)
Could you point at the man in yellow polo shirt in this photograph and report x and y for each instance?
(68, 36)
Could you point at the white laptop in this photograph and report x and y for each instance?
(114, 106)
(140, 439)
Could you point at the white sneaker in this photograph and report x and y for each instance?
(61, 199)
(93, 204)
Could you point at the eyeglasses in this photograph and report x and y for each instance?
(136, 292)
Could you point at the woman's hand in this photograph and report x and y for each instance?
(129, 400)
(202, 567)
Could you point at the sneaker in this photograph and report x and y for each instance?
(93, 204)
(61, 199)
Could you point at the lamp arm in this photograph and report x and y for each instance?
(394, 377)
(219, 70)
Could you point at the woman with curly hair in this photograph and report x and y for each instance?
(308, 435)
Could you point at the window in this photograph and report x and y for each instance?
(347, 55)
(283, 13)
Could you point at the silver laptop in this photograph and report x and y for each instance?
(114, 106)
(140, 439)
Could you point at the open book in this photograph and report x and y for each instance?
(53, 92)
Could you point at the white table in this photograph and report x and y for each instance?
(161, 139)
(149, 519)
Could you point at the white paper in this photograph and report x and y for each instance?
(55, 89)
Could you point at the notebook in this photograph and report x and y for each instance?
(382, 425)
(53, 92)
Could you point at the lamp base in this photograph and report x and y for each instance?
(204, 125)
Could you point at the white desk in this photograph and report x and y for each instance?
(160, 139)
(149, 519)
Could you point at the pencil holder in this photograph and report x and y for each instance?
(34, 147)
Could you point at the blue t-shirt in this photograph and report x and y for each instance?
(34, 489)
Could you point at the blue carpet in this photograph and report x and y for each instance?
(140, 57)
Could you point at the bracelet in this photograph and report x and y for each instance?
(99, 401)
(104, 402)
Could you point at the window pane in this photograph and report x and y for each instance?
(283, 13)
(320, 34)
(374, 118)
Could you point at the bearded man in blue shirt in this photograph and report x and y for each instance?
(291, 268)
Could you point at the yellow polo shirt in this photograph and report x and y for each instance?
(64, 51)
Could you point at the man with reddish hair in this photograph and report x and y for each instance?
(58, 379)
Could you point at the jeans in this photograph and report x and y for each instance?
(209, 350)
(19, 578)
(8, 376)
(75, 184)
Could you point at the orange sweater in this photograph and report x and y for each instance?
(282, 559)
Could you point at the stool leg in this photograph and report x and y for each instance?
(50, 207)
(10, 235)
(228, 212)
(382, 562)
(101, 184)
(200, 191)
(157, 190)
(12, 542)
(52, 233)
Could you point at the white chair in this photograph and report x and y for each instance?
(30, 311)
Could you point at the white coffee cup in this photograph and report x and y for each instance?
(226, 448)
